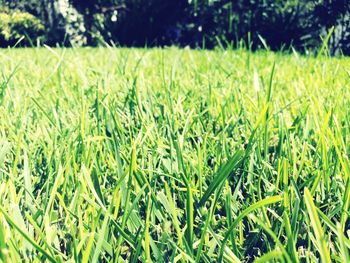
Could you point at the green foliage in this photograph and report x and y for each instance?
(18, 26)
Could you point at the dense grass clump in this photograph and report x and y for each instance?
(173, 155)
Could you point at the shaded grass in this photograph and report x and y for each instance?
(173, 155)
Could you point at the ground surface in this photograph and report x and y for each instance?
(173, 155)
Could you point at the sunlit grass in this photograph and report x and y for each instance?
(172, 155)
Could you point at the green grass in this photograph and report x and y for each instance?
(173, 155)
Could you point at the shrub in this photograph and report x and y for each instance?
(17, 25)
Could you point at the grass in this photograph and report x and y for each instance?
(173, 155)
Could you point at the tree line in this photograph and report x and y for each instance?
(274, 24)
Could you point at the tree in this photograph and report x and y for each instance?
(335, 13)
(153, 22)
(95, 13)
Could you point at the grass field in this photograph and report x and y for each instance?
(173, 155)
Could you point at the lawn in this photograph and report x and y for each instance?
(173, 155)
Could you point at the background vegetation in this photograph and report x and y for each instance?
(198, 23)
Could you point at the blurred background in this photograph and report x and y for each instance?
(302, 25)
